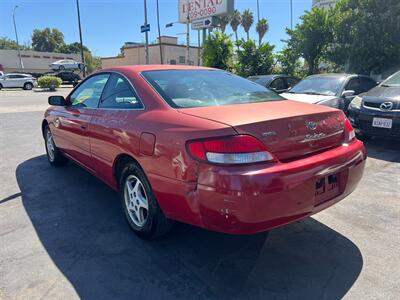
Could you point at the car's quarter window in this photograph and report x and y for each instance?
(119, 94)
(89, 92)
(196, 88)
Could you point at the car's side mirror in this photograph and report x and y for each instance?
(57, 101)
(348, 93)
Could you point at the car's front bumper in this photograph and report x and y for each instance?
(247, 200)
(362, 119)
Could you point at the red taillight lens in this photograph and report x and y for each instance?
(349, 134)
(240, 149)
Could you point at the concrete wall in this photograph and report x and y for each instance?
(34, 61)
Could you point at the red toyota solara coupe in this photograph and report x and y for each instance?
(205, 147)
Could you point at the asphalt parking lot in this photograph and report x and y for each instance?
(63, 235)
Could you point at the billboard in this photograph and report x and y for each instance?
(200, 9)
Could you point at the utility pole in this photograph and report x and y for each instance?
(159, 33)
(21, 64)
(187, 34)
(199, 48)
(80, 38)
(291, 14)
(258, 10)
(146, 33)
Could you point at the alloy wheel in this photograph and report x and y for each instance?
(136, 200)
(50, 145)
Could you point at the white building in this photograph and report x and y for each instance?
(323, 3)
(33, 61)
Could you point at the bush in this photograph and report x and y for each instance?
(218, 51)
(49, 82)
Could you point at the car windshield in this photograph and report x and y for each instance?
(393, 80)
(322, 85)
(197, 88)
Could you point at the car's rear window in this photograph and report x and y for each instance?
(197, 88)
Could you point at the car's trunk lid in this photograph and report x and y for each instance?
(289, 129)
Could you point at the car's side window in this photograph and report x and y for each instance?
(119, 94)
(278, 84)
(89, 92)
(354, 85)
(366, 84)
(291, 81)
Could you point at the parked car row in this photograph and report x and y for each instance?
(372, 108)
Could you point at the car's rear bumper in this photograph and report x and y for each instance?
(249, 200)
(362, 122)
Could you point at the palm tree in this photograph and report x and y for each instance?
(262, 28)
(223, 21)
(236, 19)
(247, 21)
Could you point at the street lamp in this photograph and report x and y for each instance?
(187, 37)
(16, 37)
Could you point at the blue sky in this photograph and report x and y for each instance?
(107, 24)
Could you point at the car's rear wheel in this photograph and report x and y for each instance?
(54, 155)
(1, 86)
(61, 68)
(140, 205)
(28, 86)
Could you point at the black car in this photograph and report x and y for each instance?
(377, 112)
(69, 77)
(277, 83)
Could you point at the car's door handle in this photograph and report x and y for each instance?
(83, 127)
(76, 115)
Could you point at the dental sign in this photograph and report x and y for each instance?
(200, 9)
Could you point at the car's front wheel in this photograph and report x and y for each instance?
(140, 205)
(54, 155)
(28, 86)
(61, 68)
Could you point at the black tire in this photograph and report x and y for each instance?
(1, 86)
(61, 68)
(56, 159)
(156, 224)
(28, 86)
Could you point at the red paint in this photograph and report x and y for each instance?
(234, 199)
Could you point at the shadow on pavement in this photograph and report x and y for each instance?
(80, 224)
(384, 149)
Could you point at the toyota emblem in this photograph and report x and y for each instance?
(311, 125)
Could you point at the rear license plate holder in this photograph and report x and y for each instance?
(326, 188)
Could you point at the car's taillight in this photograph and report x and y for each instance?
(239, 149)
(349, 133)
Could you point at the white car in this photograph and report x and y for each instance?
(66, 64)
(16, 80)
(334, 90)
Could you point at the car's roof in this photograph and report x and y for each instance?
(142, 68)
(336, 75)
(23, 74)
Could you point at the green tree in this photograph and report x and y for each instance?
(223, 21)
(262, 28)
(218, 51)
(235, 20)
(93, 63)
(289, 63)
(253, 60)
(365, 35)
(71, 48)
(247, 21)
(8, 44)
(47, 39)
(311, 37)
